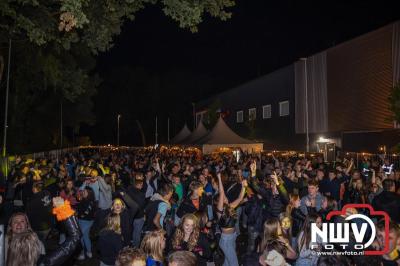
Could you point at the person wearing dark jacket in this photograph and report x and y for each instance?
(110, 240)
(274, 195)
(150, 184)
(86, 210)
(256, 213)
(196, 201)
(328, 204)
(330, 186)
(65, 215)
(388, 200)
(298, 217)
(157, 208)
(119, 208)
(39, 209)
(131, 206)
(24, 248)
(138, 220)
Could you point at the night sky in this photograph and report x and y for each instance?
(261, 36)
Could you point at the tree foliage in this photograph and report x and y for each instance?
(37, 94)
(94, 22)
(52, 60)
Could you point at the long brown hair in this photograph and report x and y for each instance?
(113, 223)
(271, 231)
(151, 244)
(305, 239)
(179, 234)
(24, 249)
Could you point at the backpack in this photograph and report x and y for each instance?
(150, 212)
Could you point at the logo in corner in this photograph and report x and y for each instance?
(338, 233)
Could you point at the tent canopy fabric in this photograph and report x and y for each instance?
(222, 134)
(253, 147)
(184, 133)
(199, 132)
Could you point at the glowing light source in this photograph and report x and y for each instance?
(322, 140)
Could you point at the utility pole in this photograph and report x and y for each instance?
(168, 130)
(156, 131)
(6, 103)
(118, 117)
(194, 115)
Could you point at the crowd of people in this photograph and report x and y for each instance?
(150, 207)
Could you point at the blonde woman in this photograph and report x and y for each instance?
(153, 245)
(189, 238)
(118, 207)
(18, 224)
(25, 246)
(110, 240)
(29, 249)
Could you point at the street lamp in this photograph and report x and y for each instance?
(118, 117)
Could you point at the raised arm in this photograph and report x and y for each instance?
(133, 206)
(65, 215)
(221, 195)
(307, 165)
(276, 161)
(347, 171)
(104, 187)
(253, 169)
(158, 168)
(237, 201)
(373, 177)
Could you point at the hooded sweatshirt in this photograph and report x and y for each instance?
(105, 196)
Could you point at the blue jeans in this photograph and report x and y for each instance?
(85, 226)
(137, 230)
(228, 245)
(237, 225)
(210, 213)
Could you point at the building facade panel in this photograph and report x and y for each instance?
(269, 90)
(359, 82)
(311, 94)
